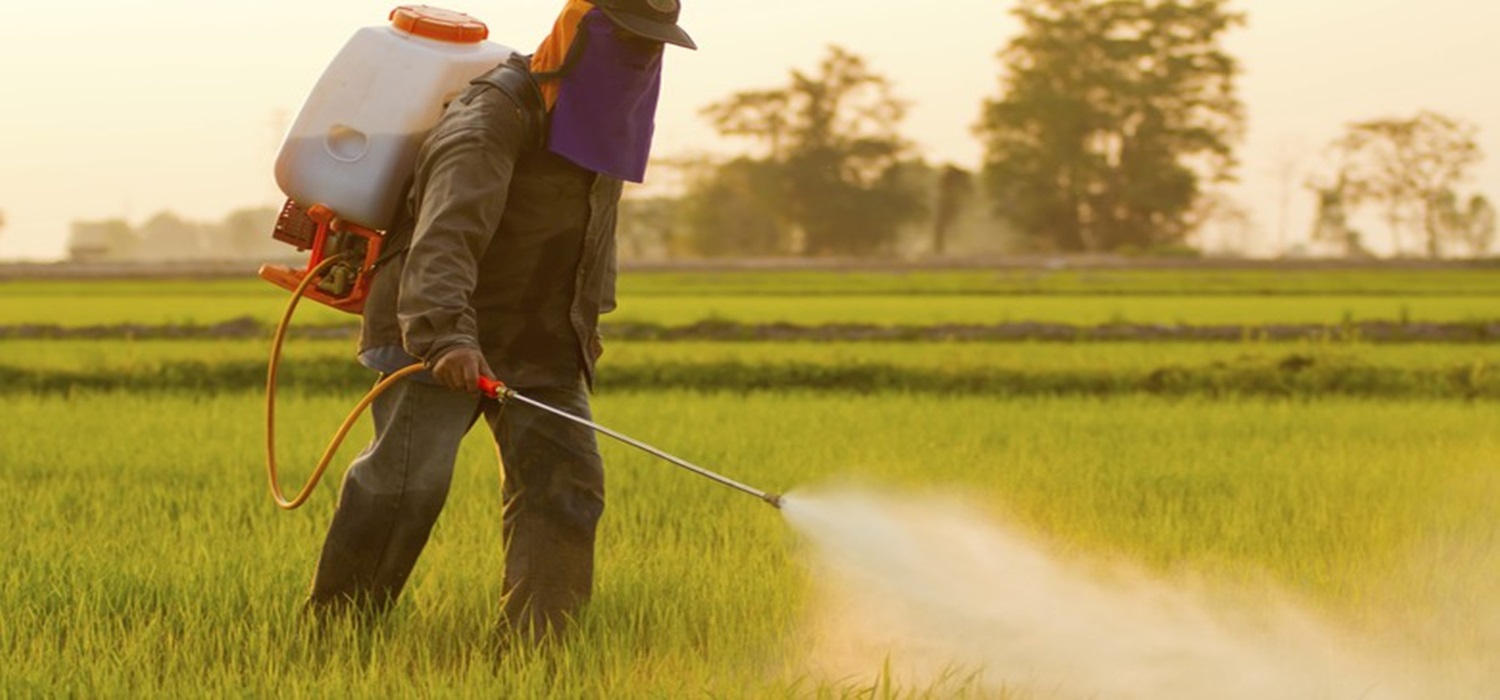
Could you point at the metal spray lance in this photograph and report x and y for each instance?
(497, 390)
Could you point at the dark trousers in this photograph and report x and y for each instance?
(393, 492)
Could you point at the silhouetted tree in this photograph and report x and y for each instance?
(110, 239)
(1113, 116)
(1471, 225)
(955, 189)
(167, 236)
(1410, 169)
(735, 209)
(647, 226)
(1331, 224)
(833, 153)
(245, 233)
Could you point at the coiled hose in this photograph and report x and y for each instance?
(338, 438)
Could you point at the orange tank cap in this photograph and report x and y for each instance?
(437, 23)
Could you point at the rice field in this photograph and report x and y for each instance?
(147, 559)
(890, 299)
(144, 557)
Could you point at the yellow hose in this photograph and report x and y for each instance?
(338, 438)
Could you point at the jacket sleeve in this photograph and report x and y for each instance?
(459, 194)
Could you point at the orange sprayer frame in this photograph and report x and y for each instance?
(345, 285)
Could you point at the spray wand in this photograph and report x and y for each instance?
(496, 389)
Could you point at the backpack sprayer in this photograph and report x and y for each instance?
(348, 154)
(346, 159)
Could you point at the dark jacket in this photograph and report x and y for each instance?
(512, 249)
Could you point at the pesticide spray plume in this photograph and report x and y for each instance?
(930, 592)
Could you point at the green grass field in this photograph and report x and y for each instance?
(145, 558)
(1164, 297)
(1307, 369)
(881, 310)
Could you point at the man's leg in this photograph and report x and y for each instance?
(392, 496)
(554, 495)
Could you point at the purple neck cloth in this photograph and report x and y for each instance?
(606, 106)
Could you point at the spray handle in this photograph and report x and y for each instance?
(493, 388)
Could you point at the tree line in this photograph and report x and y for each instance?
(243, 233)
(1114, 127)
(1116, 124)
(1410, 172)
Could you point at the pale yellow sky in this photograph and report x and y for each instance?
(124, 109)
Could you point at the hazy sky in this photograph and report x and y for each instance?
(124, 109)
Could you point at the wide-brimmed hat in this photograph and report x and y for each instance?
(652, 19)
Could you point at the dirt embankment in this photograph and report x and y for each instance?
(1366, 331)
(228, 269)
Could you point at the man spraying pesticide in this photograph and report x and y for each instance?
(482, 297)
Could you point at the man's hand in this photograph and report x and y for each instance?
(459, 369)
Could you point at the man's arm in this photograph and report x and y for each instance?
(463, 176)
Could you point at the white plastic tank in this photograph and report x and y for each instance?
(355, 141)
